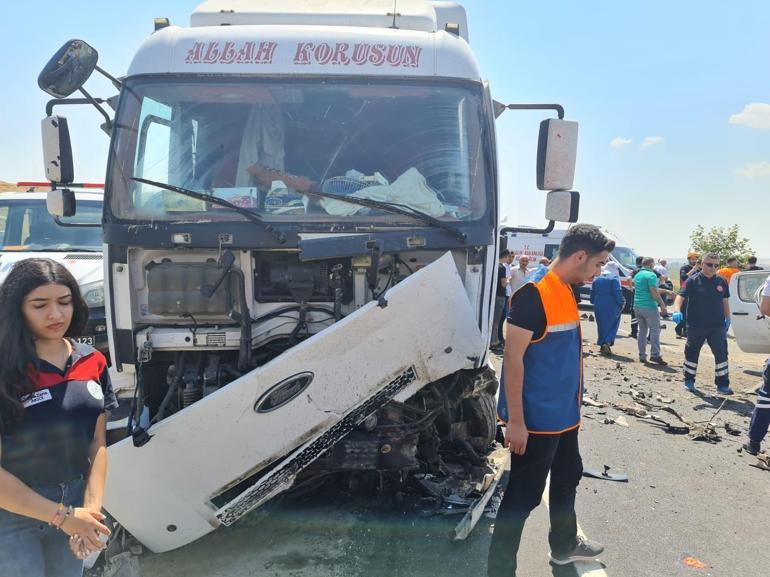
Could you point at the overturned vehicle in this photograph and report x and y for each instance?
(300, 227)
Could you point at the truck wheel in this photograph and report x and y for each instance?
(482, 412)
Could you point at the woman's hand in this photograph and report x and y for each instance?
(78, 547)
(86, 524)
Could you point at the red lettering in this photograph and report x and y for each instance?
(194, 54)
(323, 53)
(265, 53)
(302, 55)
(377, 56)
(412, 56)
(340, 54)
(212, 53)
(395, 54)
(360, 54)
(246, 53)
(229, 53)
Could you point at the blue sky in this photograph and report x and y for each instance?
(661, 80)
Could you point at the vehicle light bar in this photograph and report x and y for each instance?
(47, 184)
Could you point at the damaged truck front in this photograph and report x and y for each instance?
(300, 229)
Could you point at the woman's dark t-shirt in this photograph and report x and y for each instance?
(51, 444)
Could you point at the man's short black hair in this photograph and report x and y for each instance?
(732, 258)
(752, 259)
(639, 260)
(587, 237)
(504, 252)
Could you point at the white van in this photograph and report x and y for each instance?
(537, 246)
(27, 230)
(751, 329)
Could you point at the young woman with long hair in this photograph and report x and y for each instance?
(54, 394)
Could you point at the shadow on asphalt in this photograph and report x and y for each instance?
(734, 404)
(662, 368)
(563, 570)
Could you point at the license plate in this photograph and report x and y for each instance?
(86, 340)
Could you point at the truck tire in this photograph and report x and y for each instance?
(482, 412)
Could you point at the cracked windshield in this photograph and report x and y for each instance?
(263, 147)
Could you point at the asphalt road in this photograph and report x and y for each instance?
(689, 508)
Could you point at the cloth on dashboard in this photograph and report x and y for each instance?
(409, 189)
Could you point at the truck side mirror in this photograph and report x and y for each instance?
(60, 202)
(68, 69)
(57, 150)
(556, 154)
(562, 206)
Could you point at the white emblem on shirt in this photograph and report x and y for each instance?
(36, 398)
(95, 389)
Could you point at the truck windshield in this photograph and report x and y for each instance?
(261, 146)
(26, 225)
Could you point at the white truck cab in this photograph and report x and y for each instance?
(750, 328)
(301, 245)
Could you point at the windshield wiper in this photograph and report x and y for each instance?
(246, 213)
(394, 208)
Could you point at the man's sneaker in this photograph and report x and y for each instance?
(725, 390)
(606, 350)
(585, 550)
(658, 361)
(642, 359)
(751, 447)
(689, 385)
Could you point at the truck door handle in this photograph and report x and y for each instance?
(740, 314)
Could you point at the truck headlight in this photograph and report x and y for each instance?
(93, 294)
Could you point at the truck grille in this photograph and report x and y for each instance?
(281, 477)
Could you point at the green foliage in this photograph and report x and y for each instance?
(723, 241)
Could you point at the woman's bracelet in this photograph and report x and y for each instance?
(67, 513)
(60, 510)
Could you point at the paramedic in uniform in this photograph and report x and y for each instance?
(543, 373)
(54, 394)
(707, 318)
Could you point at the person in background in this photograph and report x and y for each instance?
(545, 261)
(751, 263)
(508, 292)
(540, 397)
(760, 417)
(647, 301)
(727, 272)
(662, 271)
(691, 268)
(634, 321)
(607, 298)
(501, 283)
(54, 398)
(708, 315)
(519, 273)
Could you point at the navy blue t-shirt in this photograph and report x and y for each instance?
(705, 298)
(51, 444)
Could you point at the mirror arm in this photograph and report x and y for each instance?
(58, 221)
(57, 101)
(557, 107)
(546, 230)
(95, 102)
(115, 82)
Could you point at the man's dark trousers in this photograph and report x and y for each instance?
(760, 418)
(717, 341)
(560, 455)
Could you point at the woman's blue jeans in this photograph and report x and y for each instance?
(32, 548)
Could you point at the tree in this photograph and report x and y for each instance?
(723, 241)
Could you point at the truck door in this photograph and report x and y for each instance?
(752, 332)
